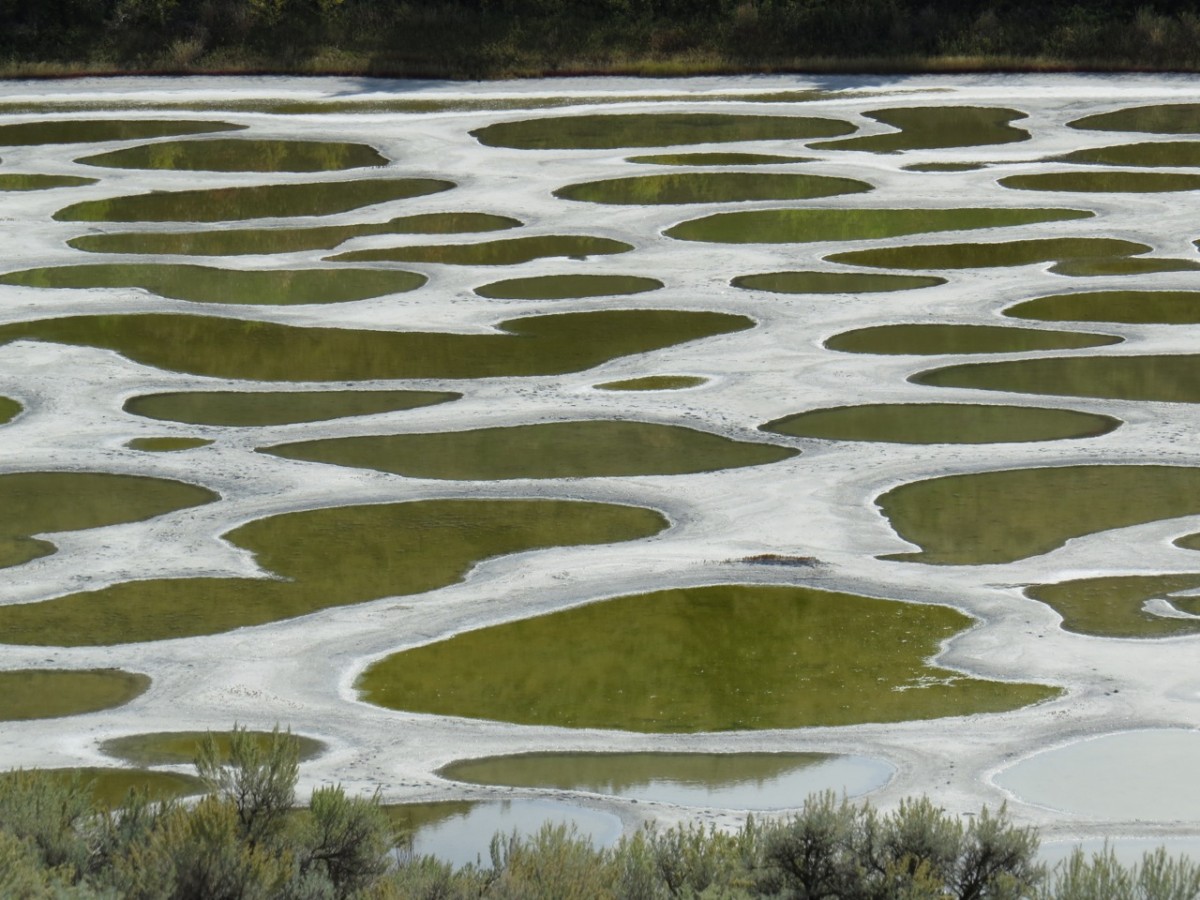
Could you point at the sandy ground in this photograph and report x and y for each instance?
(820, 504)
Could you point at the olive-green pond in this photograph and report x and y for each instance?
(1123, 265)
(257, 241)
(833, 282)
(323, 558)
(1142, 307)
(257, 202)
(204, 284)
(51, 693)
(936, 127)
(1173, 118)
(46, 502)
(1104, 182)
(16, 182)
(1112, 606)
(711, 187)
(942, 423)
(1152, 153)
(89, 130)
(935, 338)
(980, 256)
(779, 226)
(1168, 378)
(610, 132)
(699, 659)
(944, 167)
(250, 408)
(9, 409)
(264, 351)
(716, 159)
(588, 449)
(997, 517)
(111, 787)
(166, 444)
(170, 748)
(564, 287)
(654, 383)
(242, 155)
(508, 252)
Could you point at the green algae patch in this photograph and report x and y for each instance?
(1169, 378)
(15, 182)
(242, 155)
(944, 167)
(787, 226)
(508, 252)
(173, 748)
(51, 693)
(833, 282)
(612, 132)
(324, 558)
(711, 187)
(1180, 154)
(1031, 511)
(242, 408)
(588, 449)
(728, 657)
(110, 787)
(47, 502)
(266, 351)
(267, 201)
(654, 383)
(936, 127)
(983, 256)
(167, 444)
(205, 284)
(936, 338)
(1114, 606)
(265, 241)
(716, 159)
(1123, 265)
(1170, 118)
(942, 423)
(1132, 307)
(9, 409)
(567, 287)
(80, 131)
(1104, 182)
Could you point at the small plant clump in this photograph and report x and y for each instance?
(246, 840)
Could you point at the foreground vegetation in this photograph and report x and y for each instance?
(247, 841)
(504, 38)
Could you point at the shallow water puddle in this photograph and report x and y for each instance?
(1126, 265)
(47, 502)
(172, 748)
(699, 659)
(727, 780)
(980, 256)
(110, 787)
(242, 155)
(1143, 377)
(935, 167)
(268, 201)
(935, 127)
(588, 449)
(1139, 307)
(711, 187)
(564, 287)
(942, 423)
(936, 338)
(324, 558)
(613, 131)
(9, 409)
(1172, 118)
(16, 182)
(717, 159)
(79, 131)
(1124, 776)
(654, 383)
(251, 408)
(1031, 511)
(50, 693)
(1180, 154)
(833, 282)
(1104, 182)
(508, 252)
(263, 351)
(779, 226)
(252, 241)
(1115, 605)
(204, 284)
(167, 444)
